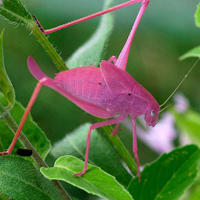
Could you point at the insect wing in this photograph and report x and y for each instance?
(117, 80)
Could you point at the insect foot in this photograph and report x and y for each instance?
(80, 173)
(4, 153)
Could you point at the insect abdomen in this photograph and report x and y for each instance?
(85, 83)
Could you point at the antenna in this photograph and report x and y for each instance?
(166, 107)
(180, 83)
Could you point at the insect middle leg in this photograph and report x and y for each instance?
(94, 126)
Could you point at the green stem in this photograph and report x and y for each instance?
(60, 64)
(9, 121)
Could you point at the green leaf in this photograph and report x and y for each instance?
(169, 176)
(5, 83)
(31, 130)
(197, 16)
(15, 11)
(195, 52)
(91, 52)
(3, 197)
(75, 144)
(194, 193)
(19, 179)
(189, 123)
(95, 181)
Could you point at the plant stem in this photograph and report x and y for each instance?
(60, 64)
(9, 121)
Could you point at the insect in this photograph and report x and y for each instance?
(103, 92)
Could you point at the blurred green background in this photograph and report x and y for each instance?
(166, 31)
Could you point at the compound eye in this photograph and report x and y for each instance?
(153, 113)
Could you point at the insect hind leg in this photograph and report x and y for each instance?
(23, 120)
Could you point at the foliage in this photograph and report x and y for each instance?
(5, 83)
(168, 177)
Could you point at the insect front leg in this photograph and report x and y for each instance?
(92, 127)
(135, 149)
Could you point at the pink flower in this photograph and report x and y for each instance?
(160, 138)
(181, 103)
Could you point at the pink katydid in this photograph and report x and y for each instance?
(102, 92)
